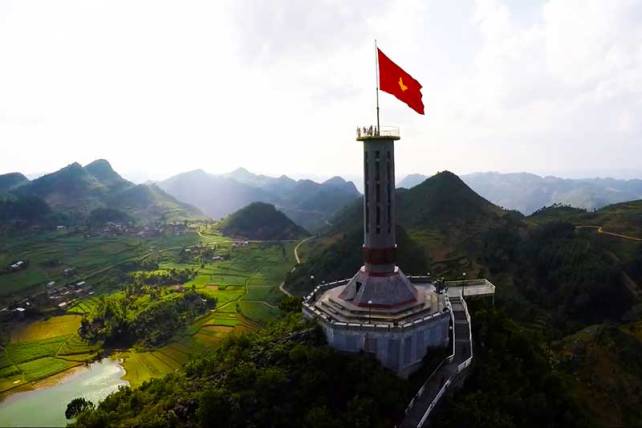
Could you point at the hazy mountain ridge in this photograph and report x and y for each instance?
(528, 192)
(74, 192)
(306, 202)
(11, 180)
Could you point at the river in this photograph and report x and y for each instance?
(46, 406)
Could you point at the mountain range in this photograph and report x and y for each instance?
(306, 202)
(441, 219)
(72, 193)
(527, 192)
(568, 279)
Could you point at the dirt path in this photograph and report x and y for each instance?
(296, 249)
(298, 262)
(284, 291)
(600, 230)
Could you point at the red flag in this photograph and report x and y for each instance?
(395, 81)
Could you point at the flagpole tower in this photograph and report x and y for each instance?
(380, 310)
(377, 80)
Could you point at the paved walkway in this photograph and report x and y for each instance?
(433, 389)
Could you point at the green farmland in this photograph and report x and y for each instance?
(41, 349)
(244, 281)
(49, 254)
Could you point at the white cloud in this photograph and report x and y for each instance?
(159, 87)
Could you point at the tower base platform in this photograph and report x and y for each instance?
(399, 335)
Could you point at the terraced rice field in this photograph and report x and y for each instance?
(41, 349)
(49, 254)
(245, 286)
(83, 306)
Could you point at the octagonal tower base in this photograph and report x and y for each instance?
(394, 318)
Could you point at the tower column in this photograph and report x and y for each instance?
(379, 244)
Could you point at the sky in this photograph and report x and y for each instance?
(279, 87)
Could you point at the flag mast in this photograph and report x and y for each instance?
(378, 132)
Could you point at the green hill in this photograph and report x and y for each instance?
(261, 221)
(444, 199)
(11, 181)
(441, 226)
(448, 217)
(447, 229)
(604, 362)
(558, 213)
(278, 376)
(102, 171)
(70, 189)
(625, 218)
(27, 209)
(74, 192)
(573, 297)
(528, 193)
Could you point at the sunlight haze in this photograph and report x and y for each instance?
(160, 88)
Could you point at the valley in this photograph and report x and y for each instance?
(164, 295)
(241, 277)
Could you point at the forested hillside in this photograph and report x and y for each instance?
(562, 275)
(261, 221)
(75, 195)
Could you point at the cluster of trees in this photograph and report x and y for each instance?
(167, 277)
(513, 382)
(100, 216)
(149, 319)
(284, 375)
(280, 376)
(567, 274)
(27, 209)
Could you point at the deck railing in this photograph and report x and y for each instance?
(373, 131)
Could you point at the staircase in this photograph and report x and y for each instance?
(428, 396)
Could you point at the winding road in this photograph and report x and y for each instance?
(296, 249)
(298, 262)
(599, 229)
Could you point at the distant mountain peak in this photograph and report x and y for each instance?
(335, 180)
(195, 173)
(72, 166)
(11, 181)
(443, 198)
(241, 170)
(444, 179)
(411, 180)
(102, 170)
(448, 177)
(99, 163)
